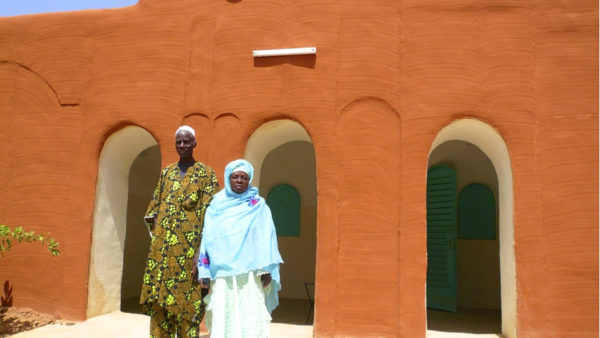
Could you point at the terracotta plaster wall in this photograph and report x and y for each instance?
(568, 157)
(387, 77)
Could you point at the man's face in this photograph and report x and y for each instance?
(184, 144)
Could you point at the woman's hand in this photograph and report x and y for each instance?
(195, 272)
(195, 267)
(265, 279)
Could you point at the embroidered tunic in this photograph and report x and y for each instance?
(236, 307)
(180, 204)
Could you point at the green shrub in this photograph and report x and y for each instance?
(8, 237)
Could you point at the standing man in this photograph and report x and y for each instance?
(171, 294)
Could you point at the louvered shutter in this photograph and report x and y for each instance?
(441, 238)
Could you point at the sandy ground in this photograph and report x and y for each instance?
(14, 320)
(121, 324)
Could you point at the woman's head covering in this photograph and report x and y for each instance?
(186, 128)
(239, 235)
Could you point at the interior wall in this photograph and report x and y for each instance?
(109, 220)
(143, 177)
(494, 147)
(293, 163)
(477, 261)
(267, 137)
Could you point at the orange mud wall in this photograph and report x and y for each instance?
(387, 77)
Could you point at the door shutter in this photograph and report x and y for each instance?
(284, 202)
(441, 238)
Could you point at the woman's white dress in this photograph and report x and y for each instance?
(236, 307)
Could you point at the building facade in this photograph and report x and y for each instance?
(502, 93)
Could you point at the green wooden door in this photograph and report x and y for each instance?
(441, 238)
(284, 202)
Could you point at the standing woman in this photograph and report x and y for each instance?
(239, 255)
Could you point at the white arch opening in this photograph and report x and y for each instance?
(109, 221)
(491, 143)
(269, 136)
(284, 153)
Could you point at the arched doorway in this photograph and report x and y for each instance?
(284, 159)
(112, 214)
(143, 177)
(478, 155)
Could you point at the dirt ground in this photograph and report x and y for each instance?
(14, 320)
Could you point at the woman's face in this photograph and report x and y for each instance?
(239, 181)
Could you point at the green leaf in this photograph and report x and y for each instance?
(7, 236)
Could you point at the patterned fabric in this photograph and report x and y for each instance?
(164, 324)
(236, 307)
(180, 205)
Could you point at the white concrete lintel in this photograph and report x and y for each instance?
(284, 51)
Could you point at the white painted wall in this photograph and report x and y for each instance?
(493, 146)
(143, 177)
(477, 261)
(293, 163)
(109, 220)
(269, 136)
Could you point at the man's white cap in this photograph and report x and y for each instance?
(186, 128)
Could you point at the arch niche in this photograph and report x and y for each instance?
(118, 212)
(282, 153)
(491, 143)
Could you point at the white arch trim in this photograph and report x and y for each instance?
(268, 137)
(492, 144)
(109, 222)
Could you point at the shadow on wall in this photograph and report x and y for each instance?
(305, 61)
(143, 177)
(110, 217)
(282, 152)
(477, 260)
(293, 163)
(492, 145)
(7, 298)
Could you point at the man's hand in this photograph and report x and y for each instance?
(195, 267)
(205, 283)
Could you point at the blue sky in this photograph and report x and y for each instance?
(20, 7)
